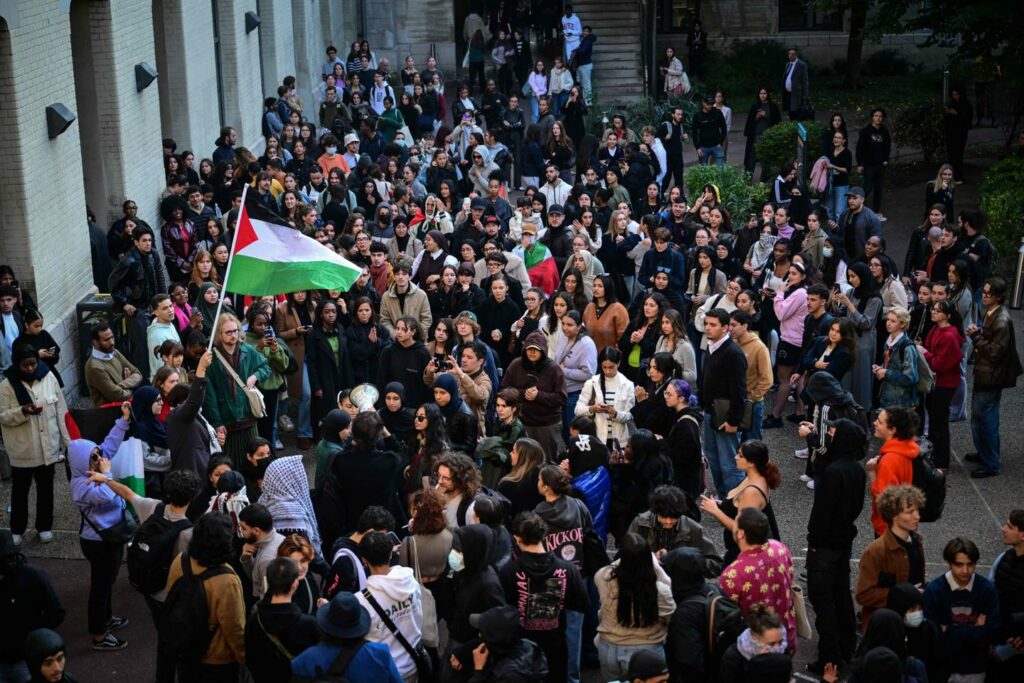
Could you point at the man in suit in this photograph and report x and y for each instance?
(795, 88)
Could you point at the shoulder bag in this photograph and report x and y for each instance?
(419, 654)
(118, 534)
(255, 396)
(428, 631)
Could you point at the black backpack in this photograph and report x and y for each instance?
(933, 483)
(185, 632)
(151, 551)
(336, 674)
(724, 621)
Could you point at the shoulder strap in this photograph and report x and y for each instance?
(691, 418)
(390, 624)
(230, 370)
(272, 638)
(344, 658)
(415, 560)
(90, 522)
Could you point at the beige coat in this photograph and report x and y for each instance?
(34, 440)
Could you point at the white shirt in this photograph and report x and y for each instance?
(572, 29)
(377, 96)
(789, 76)
(714, 346)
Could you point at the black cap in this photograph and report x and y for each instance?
(478, 203)
(710, 99)
(556, 208)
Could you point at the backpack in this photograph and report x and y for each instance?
(933, 483)
(925, 375)
(724, 621)
(336, 674)
(185, 632)
(151, 551)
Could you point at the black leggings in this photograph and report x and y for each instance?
(938, 402)
(23, 476)
(104, 564)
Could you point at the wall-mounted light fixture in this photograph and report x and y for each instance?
(58, 118)
(144, 75)
(252, 21)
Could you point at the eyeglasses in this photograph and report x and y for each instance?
(234, 331)
(421, 418)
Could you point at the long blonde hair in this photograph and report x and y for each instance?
(937, 183)
(197, 277)
(531, 456)
(613, 221)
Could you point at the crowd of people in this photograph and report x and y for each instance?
(552, 376)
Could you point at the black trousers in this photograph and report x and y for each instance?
(164, 665)
(874, 178)
(22, 481)
(938, 402)
(675, 170)
(104, 564)
(828, 587)
(265, 425)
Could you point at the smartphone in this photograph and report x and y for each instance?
(268, 333)
(307, 327)
(531, 381)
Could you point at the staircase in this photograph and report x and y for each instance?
(618, 75)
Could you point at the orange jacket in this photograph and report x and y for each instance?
(895, 466)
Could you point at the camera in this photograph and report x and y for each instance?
(442, 362)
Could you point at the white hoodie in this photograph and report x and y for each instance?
(398, 594)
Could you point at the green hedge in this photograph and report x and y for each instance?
(921, 125)
(646, 111)
(777, 145)
(740, 194)
(1000, 200)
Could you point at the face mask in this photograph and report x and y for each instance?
(332, 150)
(455, 560)
(914, 619)
(827, 252)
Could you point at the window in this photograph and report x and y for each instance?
(676, 16)
(798, 15)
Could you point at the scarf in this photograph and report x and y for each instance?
(449, 384)
(209, 311)
(19, 379)
(762, 250)
(145, 424)
(399, 422)
(182, 316)
(750, 648)
(333, 424)
(379, 277)
(286, 495)
(231, 504)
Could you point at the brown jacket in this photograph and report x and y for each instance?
(111, 381)
(883, 562)
(606, 330)
(759, 366)
(993, 360)
(227, 613)
(286, 325)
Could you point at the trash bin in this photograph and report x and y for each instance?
(92, 310)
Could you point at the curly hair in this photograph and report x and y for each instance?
(464, 473)
(211, 540)
(427, 508)
(895, 499)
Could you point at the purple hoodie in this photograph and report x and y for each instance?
(100, 503)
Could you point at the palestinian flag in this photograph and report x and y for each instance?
(271, 257)
(541, 267)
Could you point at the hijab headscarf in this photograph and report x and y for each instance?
(145, 424)
(761, 252)
(454, 407)
(880, 665)
(589, 272)
(398, 422)
(231, 498)
(333, 424)
(18, 378)
(867, 288)
(885, 629)
(286, 495)
(209, 311)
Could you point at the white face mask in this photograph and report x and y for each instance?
(914, 619)
(332, 150)
(827, 252)
(455, 560)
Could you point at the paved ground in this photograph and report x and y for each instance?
(973, 509)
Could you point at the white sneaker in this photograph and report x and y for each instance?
(802, 453)
(278, 446)
(804, 478)
(810, 484)
(17, 540)
(285, 424)
(46, 537)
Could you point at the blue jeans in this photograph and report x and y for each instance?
(985, 426)
(958, 405)
(583, 73)
(574, 640)
(716, 153)
(304, 428)
(720, 449)
(615, 658)
(837, 201)
(757, 416)
(534, 109)
(569, 413)
(558, 101)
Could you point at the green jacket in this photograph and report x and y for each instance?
(390, 122)
(278, 361)
(225, 403)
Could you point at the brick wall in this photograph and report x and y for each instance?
(240, 65)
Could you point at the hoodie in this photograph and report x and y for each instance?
(512, 659)
(838, 491)
(832, 402)
(686, 643)
(39, 645)
(547, 376)
(895, 466)
(568, 519)
(477, 587)
(293, 629)
(398, 594)
(98, 504)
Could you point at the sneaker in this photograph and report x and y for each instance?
(116, 623)
(806, 478)
(285, 423)
(972, 457)
(882, 218)
(110, 643)
(810, 484)
(771, 422)
(278, 446)
(46, 537)
(802, 454)
(17, 540)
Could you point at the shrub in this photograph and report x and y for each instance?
(886, 63)
(999, 200)
(643, 112)
(921, 125)
(777, 145)
(748, 66)
(740, 194)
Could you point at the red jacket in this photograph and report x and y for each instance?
(944, 352)
(895, 466)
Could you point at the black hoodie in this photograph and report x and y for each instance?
(512, 659)
(924, 641)
(838, 491)
(477, 587)
(833, 403)
(568, 520)
(40, 644)
(292, 629)
(686, 643)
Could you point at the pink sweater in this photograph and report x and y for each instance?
(791, 312)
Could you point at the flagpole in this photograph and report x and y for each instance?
(227, 273)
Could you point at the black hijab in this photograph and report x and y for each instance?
(399, 422)
(18, 378)
(867, 288)
(333, 424)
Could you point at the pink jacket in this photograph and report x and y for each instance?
(791, 312)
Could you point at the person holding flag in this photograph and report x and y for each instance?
(540, 265)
